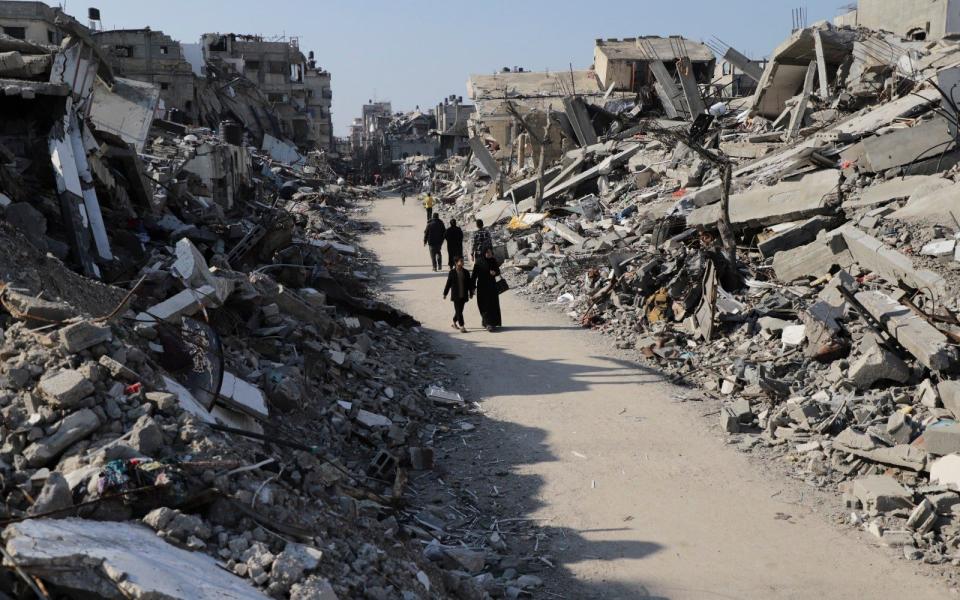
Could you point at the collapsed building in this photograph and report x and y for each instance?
(200, 395)
(791, 251)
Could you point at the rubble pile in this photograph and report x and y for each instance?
(794, 253)
(200, 393)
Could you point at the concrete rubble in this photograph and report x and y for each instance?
(814, 300)
(200, 393)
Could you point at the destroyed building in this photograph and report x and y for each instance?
(278, 68)
(30, 21)
(319, 104)
(154, 57)
(916, 20)
(529, 91)
(453, 117)
(792, 251)
(646, 66)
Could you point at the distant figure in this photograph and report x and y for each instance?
(454, 239)
(485, 273)
(433, 237)
(428, 204)
(481, 242)
(403, 197)
(460, 288)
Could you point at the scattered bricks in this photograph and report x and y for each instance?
(69, 430)
(900, 428)
(923, 517)
(66, 388)
(943, 438)
(881, 494)
(928, 396)
(80, 336)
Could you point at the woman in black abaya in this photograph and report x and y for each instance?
(485, 273)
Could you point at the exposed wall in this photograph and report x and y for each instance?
(936, 17)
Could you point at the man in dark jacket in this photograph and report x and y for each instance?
(433, 236)
(460, 288)
(454, 239)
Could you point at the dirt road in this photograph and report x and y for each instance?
(648, 500)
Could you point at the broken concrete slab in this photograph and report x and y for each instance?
(946, 471)
(872, 254)
(942, 438)
(880, 493)
(803, 198)
(931, 202)
(80, 336)
(949, 393)
(563, 231)
(119, 560)
(184, 304)
(898, 188)
(243, 396)
(877, 364)
(67, 388)
(863, 445)
(907, 145)
(72, 428)
(925, 342)
(795, 236)
(813, 260)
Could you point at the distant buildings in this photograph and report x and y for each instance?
(916, 19)
(267, 85)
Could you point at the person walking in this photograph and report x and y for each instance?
(403, 197)
(433, 237)
(481, 242)
(454, 239)
(485, 273)
(460, 287)
(428, 204)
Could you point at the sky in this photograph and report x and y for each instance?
(417, 52)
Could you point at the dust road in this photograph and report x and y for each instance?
(652, 502)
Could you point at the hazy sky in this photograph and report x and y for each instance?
(416, 52)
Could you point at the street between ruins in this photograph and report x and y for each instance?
(648, 501)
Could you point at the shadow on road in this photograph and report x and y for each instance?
(489, 467)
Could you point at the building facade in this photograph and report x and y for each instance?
(30, 21)
(153, 57)
(319, 105)
(916, 19)
(279, 69)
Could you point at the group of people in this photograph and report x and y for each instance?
(462, 285)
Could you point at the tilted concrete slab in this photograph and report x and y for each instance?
(921, 339)
(787, 201)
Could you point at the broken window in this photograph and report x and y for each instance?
(277, 68)
(275, 97)
(164, 50)
(121, 51)
(51, 36)
(164, 85)
(253, 65)
(16, 32)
